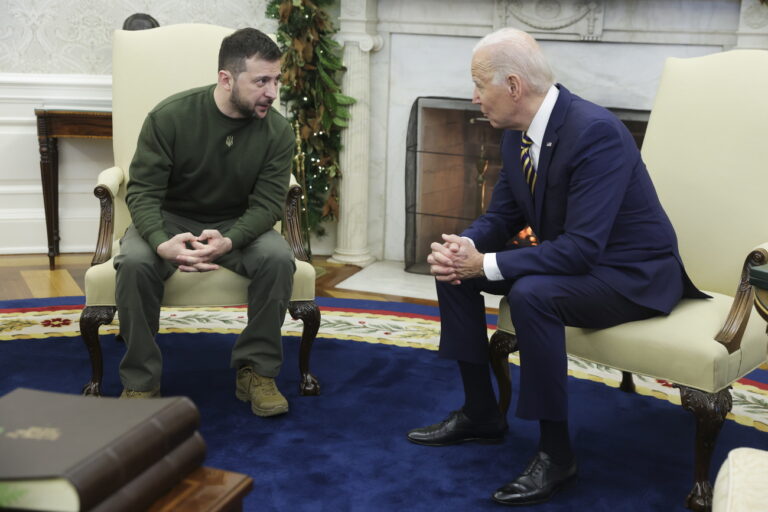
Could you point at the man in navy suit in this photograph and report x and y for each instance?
(607, 254)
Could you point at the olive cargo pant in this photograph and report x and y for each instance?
(141, 274)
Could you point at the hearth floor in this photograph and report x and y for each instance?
(389, 277)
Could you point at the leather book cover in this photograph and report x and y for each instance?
(158, 479)
(78, 450)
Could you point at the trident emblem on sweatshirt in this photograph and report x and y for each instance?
(230, 140)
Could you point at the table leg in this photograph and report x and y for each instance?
(49, 170)
(54, 150)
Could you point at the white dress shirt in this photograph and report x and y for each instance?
(536, 133)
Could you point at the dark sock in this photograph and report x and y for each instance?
(555, 441)
(479, 399)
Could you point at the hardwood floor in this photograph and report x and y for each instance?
(28, 276)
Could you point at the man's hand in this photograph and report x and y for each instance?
(192, 254)
(455, 259)
(211, 245)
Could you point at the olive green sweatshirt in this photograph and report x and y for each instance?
(196, 162)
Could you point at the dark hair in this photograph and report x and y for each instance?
(244, 44)
(139, 21)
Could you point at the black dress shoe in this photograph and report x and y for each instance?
(458, 428)
(539, 482)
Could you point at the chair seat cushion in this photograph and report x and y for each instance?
(740, 484)
(220, 287)
(679, 347)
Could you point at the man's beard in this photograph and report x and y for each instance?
(240, 105)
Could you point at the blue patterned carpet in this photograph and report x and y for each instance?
(346, 449)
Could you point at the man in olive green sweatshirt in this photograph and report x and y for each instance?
(207, 184)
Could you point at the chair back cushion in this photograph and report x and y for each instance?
(706, 150)
(148, 66)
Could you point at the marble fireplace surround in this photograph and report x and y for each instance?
(608, 51)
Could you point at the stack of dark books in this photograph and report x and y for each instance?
(61, 452)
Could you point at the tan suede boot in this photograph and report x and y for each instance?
(262, 392)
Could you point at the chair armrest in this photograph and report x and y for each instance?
(736, 322)
(758, 278)
(111, 179)
(109, 182)
(292, 229)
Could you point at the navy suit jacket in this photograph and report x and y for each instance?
(595, 210)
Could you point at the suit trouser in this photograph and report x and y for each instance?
(141, 274)
(540, 306)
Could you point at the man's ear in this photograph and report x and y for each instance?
(225, 79)
(514, 86)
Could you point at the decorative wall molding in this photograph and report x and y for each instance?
(56, 90)
(754, 15)
(753, 25)
(687, 22)
(575, 20)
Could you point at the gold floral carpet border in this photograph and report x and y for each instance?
(750, 402)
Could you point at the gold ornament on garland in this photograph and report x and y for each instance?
(311, 74)
(299, 172)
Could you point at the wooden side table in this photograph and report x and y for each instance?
(206, 490)
(52, 125)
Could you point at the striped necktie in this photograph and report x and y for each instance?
(525, 157)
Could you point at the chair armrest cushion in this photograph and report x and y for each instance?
(111, 179)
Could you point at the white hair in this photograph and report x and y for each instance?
(514, 52)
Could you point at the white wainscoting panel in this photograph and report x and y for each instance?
(22, 219)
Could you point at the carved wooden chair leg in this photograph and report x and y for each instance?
(91, 319)
(502, 344)
(627, 384)
(710, 410)
(308, 312)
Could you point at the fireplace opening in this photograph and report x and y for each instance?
(452, 164)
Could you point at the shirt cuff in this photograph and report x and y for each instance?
(491, 268)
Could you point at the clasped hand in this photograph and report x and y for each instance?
(195, 253)
(455, 259)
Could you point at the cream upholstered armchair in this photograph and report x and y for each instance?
(706, 150)
(148, 66)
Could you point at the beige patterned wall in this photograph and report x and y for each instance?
(74, 36)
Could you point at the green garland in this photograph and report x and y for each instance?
(311, 73)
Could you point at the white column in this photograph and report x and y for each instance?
(356, 19)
